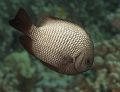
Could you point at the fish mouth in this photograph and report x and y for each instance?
(80, 65)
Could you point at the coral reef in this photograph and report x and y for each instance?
(21, 72)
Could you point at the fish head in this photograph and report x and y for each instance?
(84, 61)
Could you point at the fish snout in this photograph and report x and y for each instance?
(83, 63)
(82, 68)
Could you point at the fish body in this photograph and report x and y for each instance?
(62, 46)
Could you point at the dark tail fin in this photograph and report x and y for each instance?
(21, 21)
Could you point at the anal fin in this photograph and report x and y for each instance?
(27, 43)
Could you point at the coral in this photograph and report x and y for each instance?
(107, 63)
(115, 19)
(20, 72)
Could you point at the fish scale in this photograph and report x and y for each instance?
(62, 46)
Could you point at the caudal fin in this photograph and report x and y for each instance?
(21, 21)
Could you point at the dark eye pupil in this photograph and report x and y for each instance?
(88, 62)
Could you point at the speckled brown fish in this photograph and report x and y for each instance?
(62, 46)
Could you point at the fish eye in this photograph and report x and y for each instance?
(87, 62)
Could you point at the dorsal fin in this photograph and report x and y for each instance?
(27, 43)
(46, 19)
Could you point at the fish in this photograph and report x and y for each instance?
(60, 45)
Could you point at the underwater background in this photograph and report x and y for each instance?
(21, 72)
